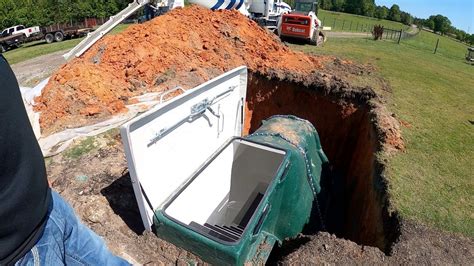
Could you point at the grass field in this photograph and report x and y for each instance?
(38, 48)
(354, 23)
(433, 181)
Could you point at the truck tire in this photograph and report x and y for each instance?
(49, 38)
(314, 38)
(59, 36)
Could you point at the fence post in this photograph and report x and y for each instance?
(350, 27)
(436, 48)
(400, 37)
(343, 23)
(357, 27)
(324, 19)
(334, 24)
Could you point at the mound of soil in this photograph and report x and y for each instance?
(418, 244)
(184, 47)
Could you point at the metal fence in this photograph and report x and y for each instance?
(347, 25)
(396, 35)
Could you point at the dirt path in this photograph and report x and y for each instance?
(30, 72)
(336, 34)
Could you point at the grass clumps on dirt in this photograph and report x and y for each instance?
(83, 147)
(89, 144)
(432, 95)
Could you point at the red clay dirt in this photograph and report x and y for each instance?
(191, 45)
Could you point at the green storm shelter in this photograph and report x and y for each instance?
(202, 186)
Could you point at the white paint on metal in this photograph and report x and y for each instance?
(223, 192)
(161, 164)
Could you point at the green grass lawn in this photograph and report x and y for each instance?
(433, 180)
(38, 48)
(354, 23)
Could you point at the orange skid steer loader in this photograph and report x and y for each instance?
(302, 23)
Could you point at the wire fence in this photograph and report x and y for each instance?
(340, 25)
(397, 35)
(347, 25)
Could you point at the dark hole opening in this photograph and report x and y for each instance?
(354, 197)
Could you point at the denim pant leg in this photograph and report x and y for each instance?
(66, 240)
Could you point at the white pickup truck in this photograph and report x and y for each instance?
(20, 29)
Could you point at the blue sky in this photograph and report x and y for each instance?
(459, 12)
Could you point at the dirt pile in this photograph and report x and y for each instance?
(188, 46)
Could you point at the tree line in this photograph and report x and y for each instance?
(47, 12)
(436, 23)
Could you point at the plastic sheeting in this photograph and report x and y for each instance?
(58, 142)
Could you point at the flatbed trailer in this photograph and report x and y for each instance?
(61, 31)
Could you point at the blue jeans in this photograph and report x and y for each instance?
(66, 241)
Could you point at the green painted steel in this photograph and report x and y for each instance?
(284, 209)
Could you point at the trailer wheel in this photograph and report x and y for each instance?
(49, 38)
(59, 36)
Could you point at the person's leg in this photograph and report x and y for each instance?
(66, 241)
(81, 245)
(49, 250)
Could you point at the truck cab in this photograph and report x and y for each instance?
(8, 31)
(10, 39)
(20, 29)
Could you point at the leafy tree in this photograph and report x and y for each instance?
(471, 39)
(338, 5)
(394, 13)
(461, 35)
(47, 12)
(369, 8)
(429, 23)
(354, 6)
(381, 12)
(326, 4)
(406, 18)
(441, 23)
(360, 7)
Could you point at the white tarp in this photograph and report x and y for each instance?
(58, 142)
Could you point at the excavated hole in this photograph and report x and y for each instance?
(357, 205)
